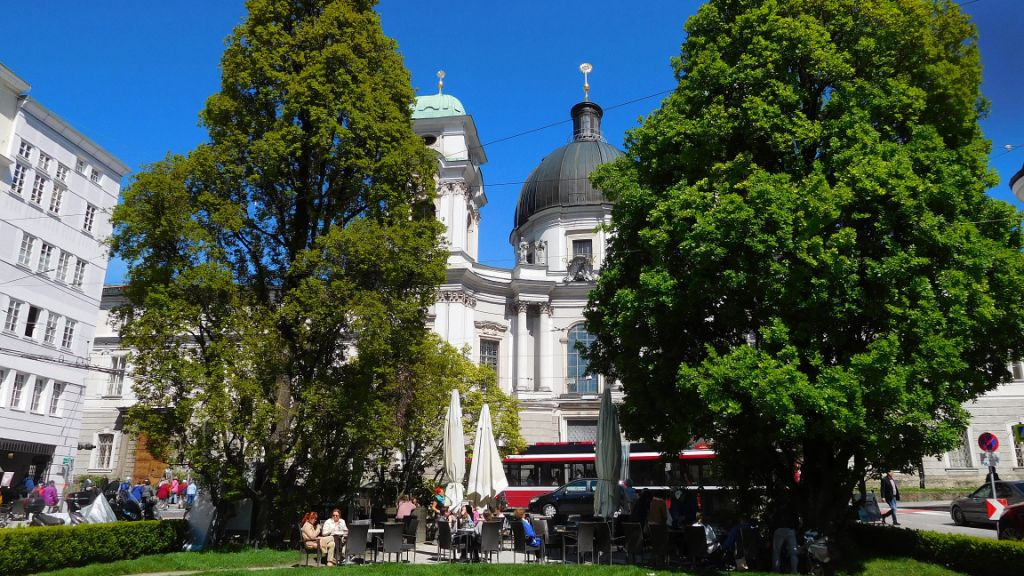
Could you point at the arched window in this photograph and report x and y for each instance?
(581, 381)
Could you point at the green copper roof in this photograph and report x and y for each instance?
(437, 106)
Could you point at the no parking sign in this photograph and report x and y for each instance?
(988, 442)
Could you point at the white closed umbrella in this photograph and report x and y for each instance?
(486, 474)
(607, 459)
(454, 451)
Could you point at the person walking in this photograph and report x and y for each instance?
(190, 494)
(891, 495)
(174, 491)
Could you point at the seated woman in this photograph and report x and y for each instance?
(531, 536)
(312, 540)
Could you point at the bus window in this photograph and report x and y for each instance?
(556, 474)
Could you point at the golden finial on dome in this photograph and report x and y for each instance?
(586, 68)
(440, 81)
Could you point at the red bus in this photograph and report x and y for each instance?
(543, 467)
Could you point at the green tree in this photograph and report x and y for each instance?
(275, 269)
(805, 265)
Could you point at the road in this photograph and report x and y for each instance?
(935, 517)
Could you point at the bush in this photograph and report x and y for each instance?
(966, 554)
(42, 548)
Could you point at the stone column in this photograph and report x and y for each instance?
(522, 349)
(545, 353)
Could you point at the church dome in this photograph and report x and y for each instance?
(437, 106)
(563, 177)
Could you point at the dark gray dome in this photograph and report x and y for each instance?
(563, 176)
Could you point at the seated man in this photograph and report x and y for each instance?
(336, 528)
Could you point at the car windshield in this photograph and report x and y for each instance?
(1020, 486)
(983, 492)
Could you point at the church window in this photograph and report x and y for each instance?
(489, 354)
(581, 430)
(580, 380)
(960, 457)
(583, 248)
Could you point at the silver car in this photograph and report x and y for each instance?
(971, 509)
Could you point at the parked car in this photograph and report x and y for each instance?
(971, 509)
(1011, 525)
(576, 497)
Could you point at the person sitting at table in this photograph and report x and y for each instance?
(313, 541)
(406, 508)
(531, 536)
(336, 528)
(658, 513)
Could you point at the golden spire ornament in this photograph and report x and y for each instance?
(440, 81)
(586, 68)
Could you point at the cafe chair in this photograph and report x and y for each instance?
(633, 540)
(540, 527)
(604, 541)
(584, 541)
(445, 544)
(519, 545)
(394, 541)
(490, 539)
(696, 545)
(314, 552)
(358, 535)
(409, 528)
(659, 542)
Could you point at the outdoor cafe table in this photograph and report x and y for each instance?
(462, 539)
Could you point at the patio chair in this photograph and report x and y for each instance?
(445, 544)
(584, 541)
(490, 539)
(394, 541)
(358, 536)
(604, 541)
(633, 540)
(540, 527)
(409, 528)
(659, 542)
(519, 544)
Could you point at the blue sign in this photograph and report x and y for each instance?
(988, 442)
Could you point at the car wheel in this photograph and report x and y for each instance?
(550, 510)
(958, 516)
(1010, 533)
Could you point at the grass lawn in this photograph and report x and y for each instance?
(237, 564)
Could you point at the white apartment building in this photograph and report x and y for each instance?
(57, 188)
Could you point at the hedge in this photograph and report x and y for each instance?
(965, 554)
(44, 548)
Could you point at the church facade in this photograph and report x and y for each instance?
(525, 321)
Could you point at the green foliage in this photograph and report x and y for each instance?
(965, 554)
(181, 561)
(274, 269)
(805, 265)
(30, 550)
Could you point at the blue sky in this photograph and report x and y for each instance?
(133, 75)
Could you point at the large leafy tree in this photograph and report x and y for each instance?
(278, 272)
(805, 265)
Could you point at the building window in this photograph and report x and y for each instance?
(90, 216)
(105, 448)
(489, 353)
(96, 176)
(961, 456)
(37, 394)
(580, 380)
(37, 190)
(56, 198)
(58, 389)
(62, 172)
(79, 273)
(28, 244)
(16, 391)
(69, 333)
(51, 328)
(115, 380)
(13, 311)
(44, 162)
(45, 255)
(81, 166)
(30, 322)
(583, 248)
(25, 150)
(18, 183)
(1017, 370)
(62, 266)
(581, 430)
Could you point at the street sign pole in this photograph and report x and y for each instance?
(992, 473)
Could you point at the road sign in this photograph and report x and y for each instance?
(994, 507)
(988, 442)
(68, 460)
(990, 459)
(1018, 432)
